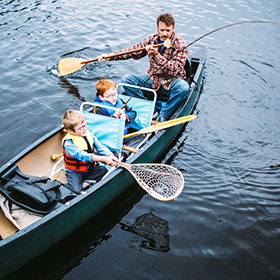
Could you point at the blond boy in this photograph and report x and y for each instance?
(79, 146)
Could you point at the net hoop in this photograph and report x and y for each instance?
(162, 181)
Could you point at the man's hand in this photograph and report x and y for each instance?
(102, 57)
(151, 50)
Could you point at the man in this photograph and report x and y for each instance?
(166, 74)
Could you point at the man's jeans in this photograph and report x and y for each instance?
(178, 91)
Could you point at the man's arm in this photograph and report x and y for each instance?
(173, 60)
(134, 55)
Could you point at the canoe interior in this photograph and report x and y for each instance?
(39, 162)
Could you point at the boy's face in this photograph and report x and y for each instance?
(110, 95)
(80, 129)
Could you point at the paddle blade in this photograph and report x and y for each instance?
(167, 43)
(55, 156)
(70, 65)
(162, 125)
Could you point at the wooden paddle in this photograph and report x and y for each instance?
(55, 156)
(276, 165)
(127, 148)
(162, 125)
(72, 64)
(149, 129)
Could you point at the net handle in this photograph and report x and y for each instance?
(124, 165)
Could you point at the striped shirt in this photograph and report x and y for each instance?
(173, 60)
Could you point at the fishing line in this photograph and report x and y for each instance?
(201, 37)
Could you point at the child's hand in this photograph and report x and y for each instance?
(119, 114)
(114, 159)
(111, 160)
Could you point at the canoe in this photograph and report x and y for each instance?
(22, 246)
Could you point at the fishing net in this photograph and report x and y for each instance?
(162, 181)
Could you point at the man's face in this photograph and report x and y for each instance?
(165, 31)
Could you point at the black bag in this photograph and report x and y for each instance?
(37, 194)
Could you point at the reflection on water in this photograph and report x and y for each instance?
(151, 231)
(71, 89)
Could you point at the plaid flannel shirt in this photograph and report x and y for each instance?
(173, 60)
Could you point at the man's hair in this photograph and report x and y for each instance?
(72, 118)
(166, 18)
(103, 85)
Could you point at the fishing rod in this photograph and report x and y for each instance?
(201, 37)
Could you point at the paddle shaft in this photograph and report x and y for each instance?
(119, 54)
(149, 129)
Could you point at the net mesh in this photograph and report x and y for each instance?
(163, 182)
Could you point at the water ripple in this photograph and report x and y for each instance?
(271, 224)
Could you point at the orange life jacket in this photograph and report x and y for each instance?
(84, 143)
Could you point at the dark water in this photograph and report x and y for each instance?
(226, 223)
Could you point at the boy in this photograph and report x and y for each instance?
(80, 160)
(107, 95)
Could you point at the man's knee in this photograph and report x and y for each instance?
(126, 79)
(182, 88)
